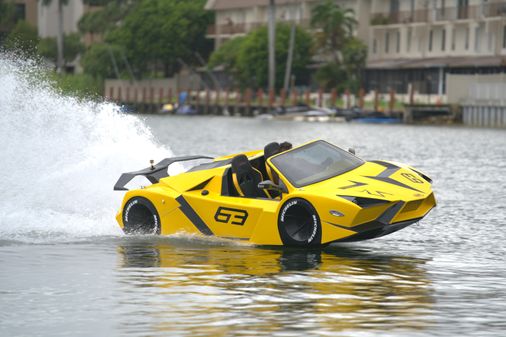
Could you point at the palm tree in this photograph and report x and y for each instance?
(59, 36)
(336, 24)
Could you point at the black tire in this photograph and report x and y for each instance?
(140, 217)
(299, 224)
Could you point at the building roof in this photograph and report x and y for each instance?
(436, 62)
(231, 4)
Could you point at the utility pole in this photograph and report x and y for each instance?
(289, 60)
(272, 43)
(59, 39)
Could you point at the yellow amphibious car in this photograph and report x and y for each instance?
(310, 195)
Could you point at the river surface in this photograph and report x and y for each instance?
(67, 270)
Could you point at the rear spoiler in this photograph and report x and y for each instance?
(153, 173)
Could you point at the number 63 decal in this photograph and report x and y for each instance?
(231, 216)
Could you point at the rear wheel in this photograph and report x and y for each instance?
(140, 217)
(299, 224)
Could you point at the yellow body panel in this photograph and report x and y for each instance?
(348, 205)
(211, 202)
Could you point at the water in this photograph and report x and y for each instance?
(66, 269)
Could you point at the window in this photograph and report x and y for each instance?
(314, 162)
(431, 37)
(467, 39)
(374, 45)
(504, 38)
(394, 11)
(453, 38)
(477, 39)
(408, 37)
(443, 40)
(394, 6)
(462, 9)
(398, 42)
(483, 7)
(387, 42)
(19, 12)
(491, 38)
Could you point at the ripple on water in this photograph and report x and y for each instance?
(441, 277)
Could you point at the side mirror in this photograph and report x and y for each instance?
(270, 186)
(351, 150)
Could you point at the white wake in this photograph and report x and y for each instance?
(60, 158)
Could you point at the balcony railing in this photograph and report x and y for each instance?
(228, 29)
(243, 28)
(399, 17)
(477, 12)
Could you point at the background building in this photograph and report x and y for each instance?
(419, 42)
(72, 13)
(238, 17)
(23, 10)
(411, 42)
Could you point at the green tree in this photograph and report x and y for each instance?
(354, 60)
(332, 75)
(156, 33)
(336, 24)
(94, 22)
(346, 54)
(47, 48)
(100, 21)
(97, 60)
(227, 55)
(345, 75)
(248, 57)
(23, 38)
(79, 85)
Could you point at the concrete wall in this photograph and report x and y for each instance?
(483, 98)
(489, 90)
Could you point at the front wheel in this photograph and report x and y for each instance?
(140, 217)
(299, 224)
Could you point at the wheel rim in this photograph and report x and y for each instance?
(140, 219)
(299, 224)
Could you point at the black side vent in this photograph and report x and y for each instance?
(364, 202)
(201, 185)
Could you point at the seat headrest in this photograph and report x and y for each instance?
(240, 164)
(271, 149)
(285, 146)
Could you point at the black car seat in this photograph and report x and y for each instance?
(285, 146)
(246, 178)
(270, 150)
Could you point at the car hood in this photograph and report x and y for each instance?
(376, 180)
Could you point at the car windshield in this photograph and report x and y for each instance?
(314, 162)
